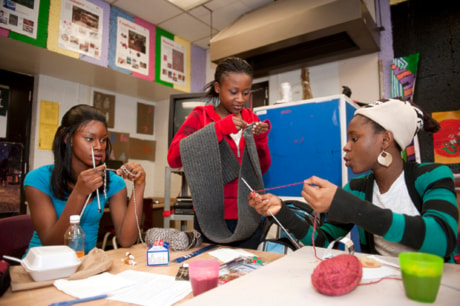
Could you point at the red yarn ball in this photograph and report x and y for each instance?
(337, 275)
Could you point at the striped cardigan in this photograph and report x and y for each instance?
(431, 188)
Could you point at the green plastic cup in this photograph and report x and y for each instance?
(421, 274)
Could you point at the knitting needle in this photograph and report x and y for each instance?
(97, 190)
(297, 246)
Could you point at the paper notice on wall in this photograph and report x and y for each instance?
(132, 49)
(81, 27)
(48, 124)
(20, 16)
(446, 141)
(172, 62)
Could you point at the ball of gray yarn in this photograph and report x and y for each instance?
(178, 240)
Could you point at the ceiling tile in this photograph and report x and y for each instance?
(201, 12)
(155, 11)
(186, 27)
(193, 25)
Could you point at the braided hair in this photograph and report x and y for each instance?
(224, 68)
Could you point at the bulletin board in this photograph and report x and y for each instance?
(80, 30)
(42, 29)
(132, 45)
(172, 61)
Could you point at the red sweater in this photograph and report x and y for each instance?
(203, 115)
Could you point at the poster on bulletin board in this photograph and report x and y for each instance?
(132, 47)
(20, 16)
(446, 141)
(172, 65)
(81, 27)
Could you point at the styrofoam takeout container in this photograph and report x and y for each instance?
(50, 262)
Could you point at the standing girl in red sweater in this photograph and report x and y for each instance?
(228, 94)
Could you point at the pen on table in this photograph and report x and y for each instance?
(82, 300)
(197, 252)
(231, 263)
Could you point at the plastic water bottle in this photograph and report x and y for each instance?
(74, 236)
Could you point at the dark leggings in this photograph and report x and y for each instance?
(250, 243)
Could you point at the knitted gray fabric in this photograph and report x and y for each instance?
(208, 165)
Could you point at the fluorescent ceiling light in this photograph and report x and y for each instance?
(188, 4)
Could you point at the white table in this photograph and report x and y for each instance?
(287, 281)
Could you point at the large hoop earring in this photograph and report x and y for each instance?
(385, 159)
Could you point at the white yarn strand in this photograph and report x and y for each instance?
(123, 168)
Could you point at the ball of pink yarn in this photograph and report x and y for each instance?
(337, 275)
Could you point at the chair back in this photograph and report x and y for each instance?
(15, 235)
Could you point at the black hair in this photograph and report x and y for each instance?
(226, 66)
(75, 118)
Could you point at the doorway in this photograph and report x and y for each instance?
(16, 91)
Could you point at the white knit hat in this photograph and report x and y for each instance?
(399, 117)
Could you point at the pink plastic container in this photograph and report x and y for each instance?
(204, 275)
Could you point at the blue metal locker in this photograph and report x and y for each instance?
(307, 138)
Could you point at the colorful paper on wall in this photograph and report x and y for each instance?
(158, 73)
(403, 76)
(53, 30)
(404, 72)
(49, 122)
(79, 29)
(132, 47)
(20, 16)
(446, 142)
(4, 32)
(181, 64)
(173, 61)
(116, 13)
(41, 29)
(150, 76)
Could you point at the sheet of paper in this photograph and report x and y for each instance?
(227, 254)
(151, 289)
(103, 283)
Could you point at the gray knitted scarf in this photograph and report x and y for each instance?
(208, 166)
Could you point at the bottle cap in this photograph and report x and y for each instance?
(75, 219)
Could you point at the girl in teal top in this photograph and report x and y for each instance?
(77, 184)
